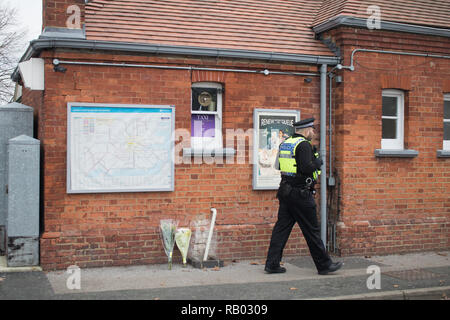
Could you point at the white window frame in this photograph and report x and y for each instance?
(446, 143)
(398, 143)
(202, 143)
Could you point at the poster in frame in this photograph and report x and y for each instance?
(120, 148)
(271, 128)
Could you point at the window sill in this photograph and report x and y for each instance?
(189, 152)
(387, 153)
(443, 153)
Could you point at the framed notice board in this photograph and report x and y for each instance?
(120, 148)
(271, 128)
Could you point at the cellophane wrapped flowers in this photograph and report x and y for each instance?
(168, 229)
(182, 238)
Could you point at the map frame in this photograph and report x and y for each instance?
(69, 188)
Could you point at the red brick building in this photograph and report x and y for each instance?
(376, 78)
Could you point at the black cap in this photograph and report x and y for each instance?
(306, 123)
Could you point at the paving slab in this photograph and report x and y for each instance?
(401, 277)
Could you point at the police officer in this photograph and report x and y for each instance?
(299, 164)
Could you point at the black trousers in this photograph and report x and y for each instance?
(302, 210)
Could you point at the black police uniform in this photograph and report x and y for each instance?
(297, 205)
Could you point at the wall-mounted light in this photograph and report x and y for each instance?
(308, 80)
(57, 67)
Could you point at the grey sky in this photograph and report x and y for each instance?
(29, 16)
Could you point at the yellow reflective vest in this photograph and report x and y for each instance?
(288, 165)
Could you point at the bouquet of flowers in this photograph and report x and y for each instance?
(168, 228)
(182, 238)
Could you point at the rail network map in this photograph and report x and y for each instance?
(116, 148)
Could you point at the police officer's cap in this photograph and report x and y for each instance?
(306, 123)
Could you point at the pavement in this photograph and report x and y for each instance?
(416, 276)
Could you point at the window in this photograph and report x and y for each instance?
(446, 145)
(392, 120)
(206, 116)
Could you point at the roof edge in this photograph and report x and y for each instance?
(385, 25)
(63, 33)
(43, 43)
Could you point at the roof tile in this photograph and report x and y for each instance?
(281, 26)
(432, 13)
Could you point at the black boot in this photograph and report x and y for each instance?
(332, 268)
(277, 269)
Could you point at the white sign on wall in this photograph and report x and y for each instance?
(271, 128)
(120, 148)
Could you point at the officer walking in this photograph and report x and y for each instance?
(300, 168)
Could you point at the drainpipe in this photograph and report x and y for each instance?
(57, 62)
(211, 229)
(323, 151)
(331, 181)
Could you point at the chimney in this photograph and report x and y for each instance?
(63, 13)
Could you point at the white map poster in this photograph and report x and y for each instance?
(120, 148)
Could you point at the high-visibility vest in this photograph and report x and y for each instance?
(288, 165)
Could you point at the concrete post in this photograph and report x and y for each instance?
(22, 223)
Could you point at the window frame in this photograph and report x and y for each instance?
(445, 143)
(205, 143)
(398, 142)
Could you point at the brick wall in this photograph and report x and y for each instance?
(391, 204)
(386, 205)
(34, 99)
(122, 228)
(55, 12)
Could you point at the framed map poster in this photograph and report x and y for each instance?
(271, 128)
(120, 148)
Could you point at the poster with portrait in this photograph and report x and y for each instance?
(271, 128)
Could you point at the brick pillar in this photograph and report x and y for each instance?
(63, 13)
